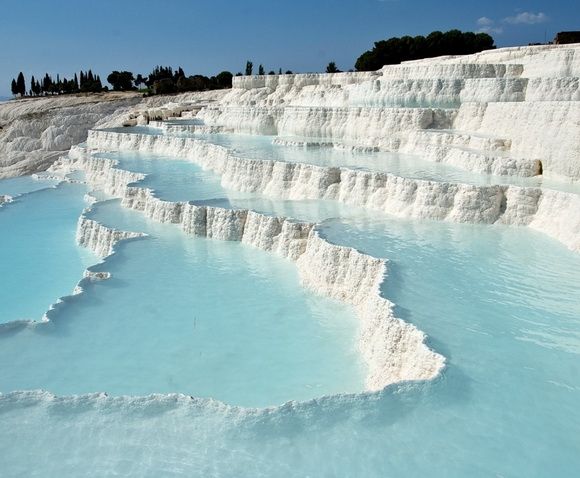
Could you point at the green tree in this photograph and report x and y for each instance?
(224, 79)
(159, 73)
(47, 84)
(121, 80)
(14, 87)
(332, 68)
(395, 50)
(184, 84)
(90, 83)
(178, 74)
(261, 70)
(140, 80)
(249, 68)
(21, 84)
(164, 86)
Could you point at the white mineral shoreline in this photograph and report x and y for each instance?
(393, 350)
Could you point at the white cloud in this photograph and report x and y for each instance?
(487, 25)
(484, 22)
(496, 30)
(527, 18)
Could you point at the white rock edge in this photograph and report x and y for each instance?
(393, 350)
(554, 213)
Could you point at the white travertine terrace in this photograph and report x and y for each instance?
(34, 132)
(393, 349)
(100, 239)
(526, 99)
(552, 212)
(512, 112)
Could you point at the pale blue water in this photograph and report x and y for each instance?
(39, 259)
(261, 147)
(502, 304)
(181, 314)
(24, 184)
(185, 121)
(172, 179)
(180, 180)
(506, 405)
(404, 165)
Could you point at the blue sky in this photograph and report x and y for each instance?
(213, 35)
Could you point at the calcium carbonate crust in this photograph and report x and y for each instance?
(394, 350)
(525, 101)
(512, 111)
(34, 132)
(231, 414)
(551, 212)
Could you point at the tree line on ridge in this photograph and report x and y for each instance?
(165, 80)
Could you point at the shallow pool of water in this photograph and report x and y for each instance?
(201, 317)
(181, 180)
(505, 316)
(24, 184)
(39, 258)
(404, 165)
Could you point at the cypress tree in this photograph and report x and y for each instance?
(332, 68)
(179, 74)
(46, 83)
(261, 70)
(14, 87)
(32, 86)
(76, 84)
(21, 84)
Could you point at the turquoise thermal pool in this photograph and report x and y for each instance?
(204, 357)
